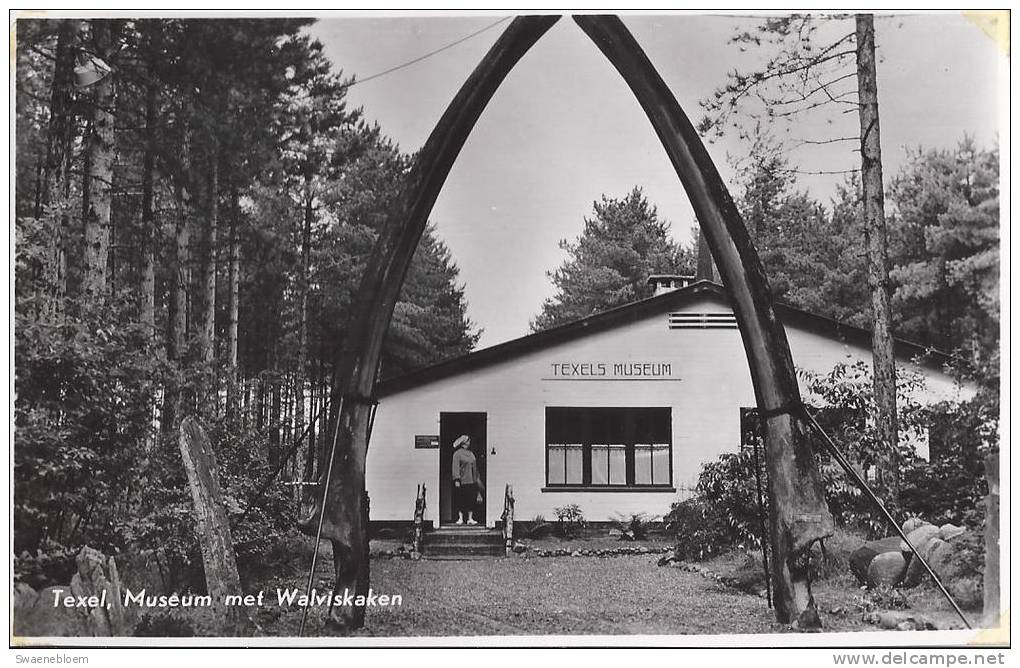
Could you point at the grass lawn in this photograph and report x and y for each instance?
(537, 596)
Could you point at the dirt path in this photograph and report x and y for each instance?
(540, 596)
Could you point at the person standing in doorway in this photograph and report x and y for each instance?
(467, 485)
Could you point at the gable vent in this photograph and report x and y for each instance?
(702, 321)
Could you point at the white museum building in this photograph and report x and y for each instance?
(615, 413)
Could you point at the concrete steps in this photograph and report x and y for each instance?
(464, 542)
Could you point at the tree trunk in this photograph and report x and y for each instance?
(55, 182)
(234, 278)
(206, 320)
(147, 303)
(275, 428)
(302, 365)
(100, 151)
(214, 537)
(876, 240)
(177, 316)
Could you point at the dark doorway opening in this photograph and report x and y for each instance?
(452, 426)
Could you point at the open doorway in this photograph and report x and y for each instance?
(451, 427)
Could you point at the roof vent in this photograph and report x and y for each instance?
(702, 321)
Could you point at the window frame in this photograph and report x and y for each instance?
(584, 418)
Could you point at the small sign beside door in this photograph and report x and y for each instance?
(426, 442)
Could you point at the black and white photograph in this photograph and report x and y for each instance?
(494, 328)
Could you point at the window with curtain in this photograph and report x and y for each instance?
(608, 448)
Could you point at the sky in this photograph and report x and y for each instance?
(563, 129)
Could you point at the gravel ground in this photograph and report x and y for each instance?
(620, 595)
(536, 596)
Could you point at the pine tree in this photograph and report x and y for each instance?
(946, 250)
(623, 243)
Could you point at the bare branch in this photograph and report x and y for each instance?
(819, 142)
(821, 171)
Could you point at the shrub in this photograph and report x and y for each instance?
(163, 625)
(569, 521)
(951, 486)
(700, 528)
(537, 528)
(633, 526)
(729, 484)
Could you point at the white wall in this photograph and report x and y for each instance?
(713, 384)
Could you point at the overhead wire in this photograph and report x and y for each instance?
(427, 55)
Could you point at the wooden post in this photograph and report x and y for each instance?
(991, 608)
(508, 519)
(218, 559)
(419, 520)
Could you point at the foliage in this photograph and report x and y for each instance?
(847, 409)
(811, 256)
(248, 120)
(944, 244)
(86, 388)
(608, 265)
(701, 529)
(804, 63)
(945, 238)
(882, 597)
(730, 485)
(569, 521)
(951, 486)
(163, 625)
(633, 526)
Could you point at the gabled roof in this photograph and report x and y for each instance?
(622, 315)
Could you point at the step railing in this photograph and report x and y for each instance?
(419, 519)
(508, 519)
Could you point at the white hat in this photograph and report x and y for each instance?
(461, 440)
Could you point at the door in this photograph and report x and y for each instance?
(451, 427)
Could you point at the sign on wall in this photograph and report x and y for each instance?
(601, 370)
(426, 441)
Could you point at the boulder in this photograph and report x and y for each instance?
(915, 569)
(913, 523)
(887, 568)
(36, 616)
(861, 558)
(950, 531)
(942, 562)
(903, 621)
(919, 537)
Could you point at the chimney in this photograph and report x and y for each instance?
(663, 283)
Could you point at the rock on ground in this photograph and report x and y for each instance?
(919, 537)
(950, 531)
(861, 558)
(887, 568)
(913, 523)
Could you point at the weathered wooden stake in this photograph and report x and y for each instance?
(991, 608)
(214, 537)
